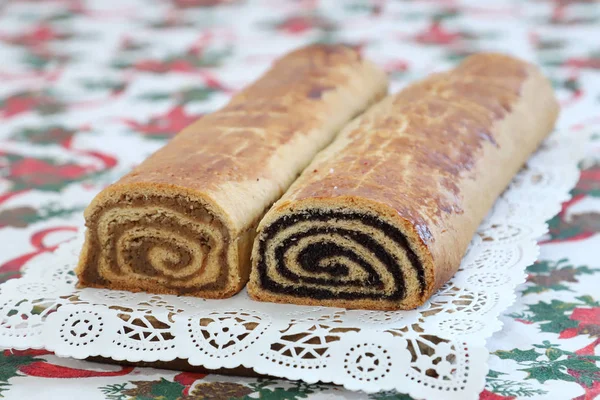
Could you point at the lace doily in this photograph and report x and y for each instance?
(436, 351)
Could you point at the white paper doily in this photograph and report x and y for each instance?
(437, 351)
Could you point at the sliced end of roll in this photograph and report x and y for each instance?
(162, 239)
(340, 252)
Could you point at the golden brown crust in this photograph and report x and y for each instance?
(232, 164)
(434, 157)
(276, 116)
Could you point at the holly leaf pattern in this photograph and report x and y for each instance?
(44, 102)
(554, 364)
(187, 62)
(497, 384)
(53, 134)
(550, 316)
(269, 389)
(112, 85)
(588, 300)
(21, 217)
(47, 174)
(190, 95)
(555, 276)
(166, 389)
(10, 364)
(389, 395)
(494, 374)
(518, 355)
(545, 373)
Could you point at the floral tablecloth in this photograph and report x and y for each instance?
(89, 89)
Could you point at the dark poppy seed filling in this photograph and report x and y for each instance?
(311, 255)
(309, 258)
(429, 160)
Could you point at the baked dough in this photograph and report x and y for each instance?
(383, 216)
(184, 220)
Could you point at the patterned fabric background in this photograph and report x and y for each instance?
(90, 88)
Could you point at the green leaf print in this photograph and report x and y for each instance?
(269, 389)
(543, 373)
(21, 217)
(45, 135)
(518, 355)
(509, 388)
(554, 354)
(190, 95)
(549, 275)
(588, 301)
(494, 374)
(155, 96)
(553, 364)
(552, 316)
(9, 367)
(102, 84)
(114, 392)
(166, 389)
(390, 395)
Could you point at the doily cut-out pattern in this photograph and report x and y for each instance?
(436, 351)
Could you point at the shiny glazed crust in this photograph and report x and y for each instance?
(183, 221)
(428, 163)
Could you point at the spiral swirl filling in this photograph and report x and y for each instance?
(167, 242)
(328, 254)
